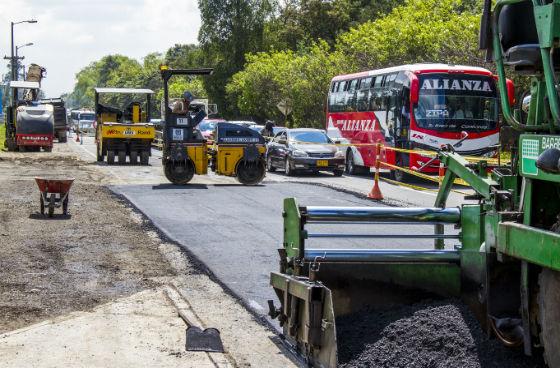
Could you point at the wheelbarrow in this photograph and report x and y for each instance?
(54, 194)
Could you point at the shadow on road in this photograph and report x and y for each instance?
(38, 216)
(174, 186)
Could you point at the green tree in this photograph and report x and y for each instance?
(417, 31)
(229, 30)
(301, 78)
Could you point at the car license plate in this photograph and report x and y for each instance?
(322, 162)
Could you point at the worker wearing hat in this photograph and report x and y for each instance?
(182, 106)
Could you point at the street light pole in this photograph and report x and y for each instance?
(17, 58)
(13, 60)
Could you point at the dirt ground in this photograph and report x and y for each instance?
(62, 276)
(52, 266)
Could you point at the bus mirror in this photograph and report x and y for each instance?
(511, 92)
(414, 89)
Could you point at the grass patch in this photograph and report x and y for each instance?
(2, 135)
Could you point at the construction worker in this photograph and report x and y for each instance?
(182, 106)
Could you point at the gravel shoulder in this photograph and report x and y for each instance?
(103, 253)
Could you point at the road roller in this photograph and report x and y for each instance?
(236, 151)
(504, 261)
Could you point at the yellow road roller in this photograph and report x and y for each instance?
(125, 130)
(236, 151)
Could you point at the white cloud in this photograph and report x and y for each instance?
(71, 34)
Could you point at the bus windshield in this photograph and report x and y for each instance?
(457, 103)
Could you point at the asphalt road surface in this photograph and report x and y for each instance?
(236, 230)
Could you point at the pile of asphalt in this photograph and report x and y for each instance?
(430, 334)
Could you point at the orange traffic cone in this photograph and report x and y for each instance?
(77, 137)
(375, 192)
(441, 172)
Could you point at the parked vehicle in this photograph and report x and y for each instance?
(245, 123)
(304, 149)
(207, 127)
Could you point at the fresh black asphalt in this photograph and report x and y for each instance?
(236, 230)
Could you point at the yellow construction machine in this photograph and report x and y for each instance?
(124, 132)
(236, 151)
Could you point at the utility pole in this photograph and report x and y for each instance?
(13, 57)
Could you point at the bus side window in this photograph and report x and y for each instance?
(351, 96)
(363, 94)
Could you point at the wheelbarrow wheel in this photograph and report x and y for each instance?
(42, 202)
(65, 205)
(52, 201)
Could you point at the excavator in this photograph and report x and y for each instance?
(505, 261)
(237, 151)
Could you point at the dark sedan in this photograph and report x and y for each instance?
(304, 149)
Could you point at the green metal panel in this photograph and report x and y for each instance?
(472, 229)
(533, 245)
(547, 19)
(532, 145)
(292, 228)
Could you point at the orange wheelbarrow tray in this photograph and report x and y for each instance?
(54, 194)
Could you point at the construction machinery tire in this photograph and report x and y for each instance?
(250, 172)
(110, 157)
(133, 157)
(52, 201)
(549, 315)
(62, 138)
(145, 158)
(122, 157)
(99, 155)
(179, 173)
(22, 148)
(10, 145)
(47, 149)
(338, 172)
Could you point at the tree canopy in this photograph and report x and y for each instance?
(267, 51)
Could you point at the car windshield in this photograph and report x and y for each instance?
(457, 103)
(309, 137)
(206, 125)
(86, 116)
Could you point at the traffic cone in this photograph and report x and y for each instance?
(77, 137)
(375, 192)
(441, 172)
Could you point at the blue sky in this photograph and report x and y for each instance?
(70, 34)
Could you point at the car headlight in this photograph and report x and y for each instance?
(299, 153)
(339, 154)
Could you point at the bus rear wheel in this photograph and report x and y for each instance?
(179, 173)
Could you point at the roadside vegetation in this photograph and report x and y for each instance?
(2, 135)
(264, 52)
